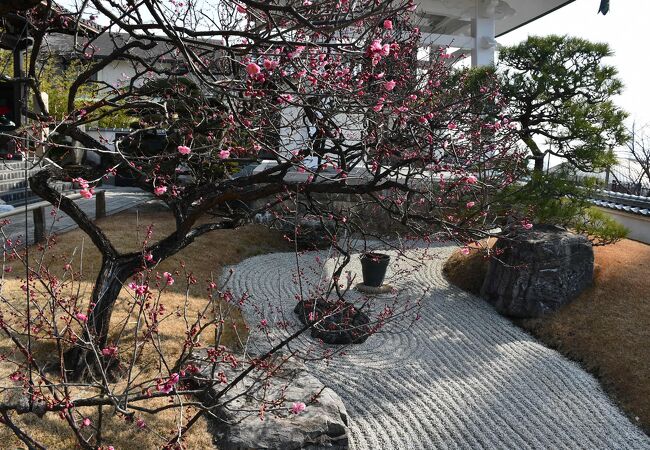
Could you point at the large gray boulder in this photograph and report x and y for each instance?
(323, 424)
(536, 271)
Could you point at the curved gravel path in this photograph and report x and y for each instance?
(459, 377)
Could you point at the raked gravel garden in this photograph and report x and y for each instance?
(461, 376)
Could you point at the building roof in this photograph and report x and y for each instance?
(527, 11)
(454, 17)
(105, 43)
(634, 204)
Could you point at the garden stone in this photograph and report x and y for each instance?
(323, 424)
(538, 271)
(311, 232)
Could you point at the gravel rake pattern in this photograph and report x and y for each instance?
(460, 377)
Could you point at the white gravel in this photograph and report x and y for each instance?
(460, 377)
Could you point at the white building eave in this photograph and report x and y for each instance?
(474, 24)
(527, 11)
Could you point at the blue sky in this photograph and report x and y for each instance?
(625, 29)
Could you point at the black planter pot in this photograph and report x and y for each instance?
(373, 268)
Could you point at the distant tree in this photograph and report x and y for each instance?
(559, 95)
(56, 77)
(560, 91)
(639, 148)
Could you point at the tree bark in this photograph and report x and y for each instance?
(110, 280)
(79, 360)
(116, 269)
(538, 155)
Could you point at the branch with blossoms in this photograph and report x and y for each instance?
(298, 111)
(136, 374)
(333, 105)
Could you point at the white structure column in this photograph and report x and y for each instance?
(483, 32)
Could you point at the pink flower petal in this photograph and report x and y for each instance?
(253, 69)
(298, 407)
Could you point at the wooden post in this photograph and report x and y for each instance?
(39, 224)
(100, 205)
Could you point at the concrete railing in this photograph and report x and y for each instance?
(39, 215)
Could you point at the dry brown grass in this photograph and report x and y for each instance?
(606, 329)
(205, 259)
(466, 271)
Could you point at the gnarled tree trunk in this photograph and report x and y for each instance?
(116, 269)
(81, 360)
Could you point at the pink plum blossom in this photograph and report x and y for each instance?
(16, 376)
(82, 182)
(298, 407)
(87, 193)
(183, 150)
(389, 85)
(140, 289)
(81, 317)
(270, 64)
(297, 52)
(168, 278)
(464, 251)
(168, 385)
(285, 98)
(224, 154)
(470, 204)
(110, 351)
(253, 69)
(471, 179)
(160, 190)
(375, 46)
(388, 24)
